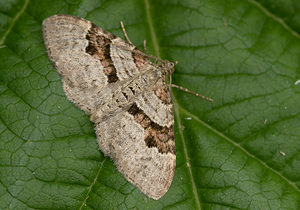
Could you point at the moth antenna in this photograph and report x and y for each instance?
(124, 31)
(188, 91)
(146, 50)
(149, 54)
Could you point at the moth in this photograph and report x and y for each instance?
(124, 93)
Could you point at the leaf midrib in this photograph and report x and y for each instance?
(187, 159)
(152, 29)
(175, 104)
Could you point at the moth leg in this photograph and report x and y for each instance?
(145, 47)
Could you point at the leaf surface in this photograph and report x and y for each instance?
(241, 151)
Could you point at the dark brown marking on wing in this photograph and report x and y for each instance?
(163, 93)
(99, 48)
(155, 135)
(140, 59)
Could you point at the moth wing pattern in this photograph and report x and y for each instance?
(125, 94)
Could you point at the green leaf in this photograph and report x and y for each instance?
(241, 151)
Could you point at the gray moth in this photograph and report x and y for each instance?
(124, 93)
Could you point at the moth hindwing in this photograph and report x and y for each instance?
(124, 92)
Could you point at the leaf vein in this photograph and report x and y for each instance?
(92, 184)
(279, 20)
(13, 22)
(237, 145)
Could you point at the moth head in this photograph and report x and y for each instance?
(169, 66)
